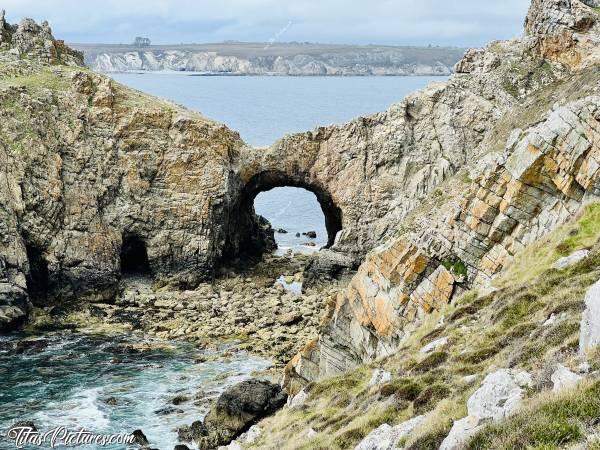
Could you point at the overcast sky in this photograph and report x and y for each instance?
(396, 22)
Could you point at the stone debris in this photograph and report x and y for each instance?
(386, 437)
(436, 345)
(380, 376)
(298, 400)
(573, 258)
(563, 378)
(499, 396)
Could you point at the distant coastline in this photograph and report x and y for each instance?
(279, 59)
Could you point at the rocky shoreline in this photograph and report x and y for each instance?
(245, 307)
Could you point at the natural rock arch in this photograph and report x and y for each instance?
(251, 235)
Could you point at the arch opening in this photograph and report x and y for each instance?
(134, 256)
(37, 279)
(296, 217)
(251, 234)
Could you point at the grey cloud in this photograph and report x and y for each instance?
(459, 22)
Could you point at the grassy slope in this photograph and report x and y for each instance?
(502, 329)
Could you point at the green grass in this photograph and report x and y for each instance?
(404, 388)
(550, 422)
(457, 267)
(44, 79)
(486, 332)
(536, 259)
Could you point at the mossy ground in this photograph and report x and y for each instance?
(506, 328)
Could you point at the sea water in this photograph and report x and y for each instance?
(107, 386)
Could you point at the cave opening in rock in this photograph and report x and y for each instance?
(37, 279)
(134, 256)
(302, 215)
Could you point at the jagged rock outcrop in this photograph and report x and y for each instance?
(499, 396)
(371, 173)
(239, 407)
(543, 177)
(566, 31)
(88, 165)
(292, 59)
(32, 41)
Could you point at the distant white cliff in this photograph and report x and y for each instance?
(279, 59)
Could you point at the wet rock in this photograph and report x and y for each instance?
(24, 424)
(297, 235)
(31, 346)
(281, 231)
(140, 438)
(168, 411)
(179, 399)
(238, 408)
(193, 432)
(181, 447)
(310, 234)
(111, 401)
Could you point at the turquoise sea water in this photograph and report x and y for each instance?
(103, 384)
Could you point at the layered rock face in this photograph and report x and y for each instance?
(542, 177)
(88, 166)
(566, 31)
(370, 173)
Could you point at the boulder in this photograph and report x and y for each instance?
(310, 234)
(435, 345)
(386, 437)
(298, 400)
(14, 306)
(193, 432)
(140, 438)
(380, 376)
(239, 407)
(563, 378)
(249, 437)
(590, 323)
(498, 397)
(573, 258)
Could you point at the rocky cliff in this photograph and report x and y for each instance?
(239, 58)
(537, 166)
(90, 168)
(97, 174)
